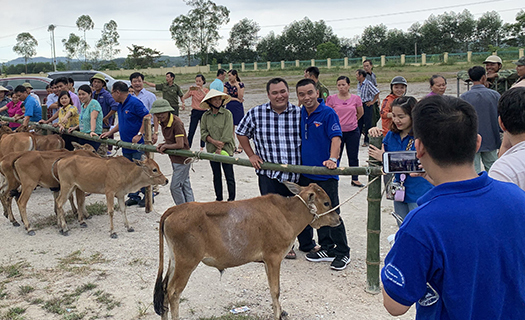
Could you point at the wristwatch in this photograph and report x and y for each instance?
(333, 159)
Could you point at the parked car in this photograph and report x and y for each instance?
(82, 77)
(38, 83)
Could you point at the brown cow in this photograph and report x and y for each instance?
(114, 177)
(27, 141)
(230, 234)
(34, 168)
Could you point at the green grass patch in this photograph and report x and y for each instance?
(3, 293)
(25, 290)
(98, 208)
(107, 300)
(14, 313)
(14, 270)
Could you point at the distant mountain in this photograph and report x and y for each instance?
(171, 61)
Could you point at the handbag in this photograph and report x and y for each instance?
(396, 190)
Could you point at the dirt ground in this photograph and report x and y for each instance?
(87, 275)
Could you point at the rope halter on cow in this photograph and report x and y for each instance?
(313, 208)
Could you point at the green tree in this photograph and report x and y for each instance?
(515, 32)
(301, 38)
(207, 17)
(109, 41)
(243, 41)
(84, 23)
(72, 46)
(328, 50)
(489, 30)
(184, 33)
(372, 41)
(25, 46)
(142, 57)
(271, 48)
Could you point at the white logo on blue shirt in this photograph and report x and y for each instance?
(394, 274)
(431, 296)
(336, 127)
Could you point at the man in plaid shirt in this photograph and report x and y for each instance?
(369, 94)
(276, 133)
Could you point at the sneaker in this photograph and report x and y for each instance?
(340, 263)
(131, 202)
(321, 255)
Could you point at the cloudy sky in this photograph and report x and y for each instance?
(147, 22)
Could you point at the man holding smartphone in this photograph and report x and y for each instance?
(460, 254)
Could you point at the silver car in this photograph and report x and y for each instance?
(82, 77)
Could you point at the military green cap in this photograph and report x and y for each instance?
(98, 76)
(160, 106)
(520, 62)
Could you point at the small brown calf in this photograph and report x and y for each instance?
(230, 234)
(114, 177)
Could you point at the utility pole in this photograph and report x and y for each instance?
(51, 29)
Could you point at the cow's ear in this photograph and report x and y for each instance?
(76, 145)
(311, 197)
(138, 162)
(293, 187)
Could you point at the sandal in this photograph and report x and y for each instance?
(291, 255)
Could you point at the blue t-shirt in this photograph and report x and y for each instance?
(467, 241)
(33, 109)
(107, 103)
(415, 187)
(130, 114)
(317, 131)
(217, 85)
(85, 117)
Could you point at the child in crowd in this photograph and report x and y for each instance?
(67, 117)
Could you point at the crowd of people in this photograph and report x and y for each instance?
(457, 224)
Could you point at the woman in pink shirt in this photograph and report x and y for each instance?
(349, 108)
(197, 93)
(14, 107)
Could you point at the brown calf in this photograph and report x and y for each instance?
(27, 141)
(34, 168)
(230, 234)
(114, 177)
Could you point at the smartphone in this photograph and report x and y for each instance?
(401, 162)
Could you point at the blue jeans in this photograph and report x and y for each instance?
(403, 208)
(137, 155)
(351, 140)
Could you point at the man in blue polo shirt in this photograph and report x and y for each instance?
(320, 144)
(131, 112)
(33, 112)
(461, 253)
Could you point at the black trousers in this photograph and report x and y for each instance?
(195, 117)
(365, 122)
(331, 239)
(217, 179)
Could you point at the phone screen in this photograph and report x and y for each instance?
(401, 162)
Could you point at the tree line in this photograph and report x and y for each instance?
(196, 35)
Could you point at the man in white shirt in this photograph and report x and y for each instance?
(510, 166)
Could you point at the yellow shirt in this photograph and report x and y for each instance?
(73, 118)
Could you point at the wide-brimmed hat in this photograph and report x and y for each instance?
(520, 62)
(27, 85)
(493, 59)
(2, 88)
(212, 94)
(160, 106)
(98, 76)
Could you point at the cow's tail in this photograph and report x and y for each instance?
(160, 289)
